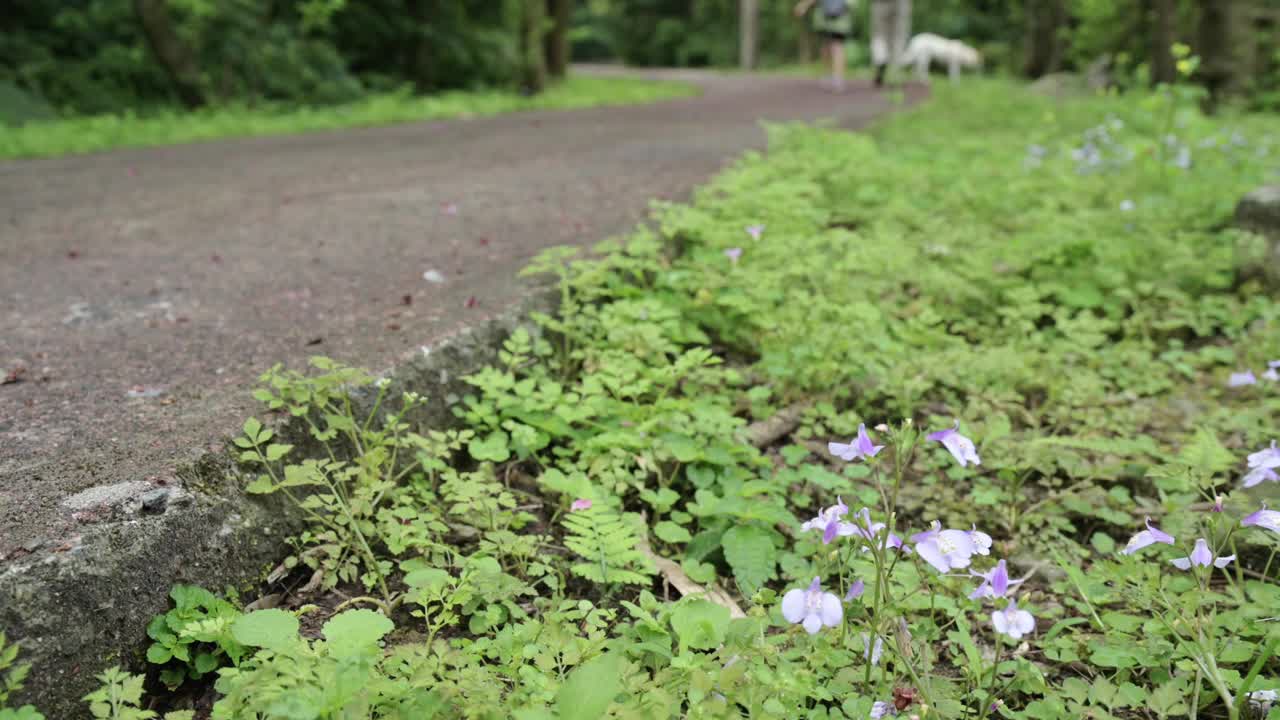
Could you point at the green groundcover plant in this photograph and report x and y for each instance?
(105, 132)
(971, 417)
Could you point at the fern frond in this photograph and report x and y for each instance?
(607, 541)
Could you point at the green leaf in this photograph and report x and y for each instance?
(700, 624)
(427, 579)
(590, 688)
(158, 654)
(750, 552)
(354, 631)
(275, 451)
(1206, 454)
(682, 448)
(273, 629)
(493, 447)
(670, 532)
(699, 572)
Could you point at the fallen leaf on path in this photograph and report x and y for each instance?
(14, 375)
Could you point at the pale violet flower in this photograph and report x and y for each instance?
(945, 550)
(995, 583)
(733, 254)
(981, 541)
(1127, 206)
(1241, 379)
(959, 446)
(1267, 457)
(1183, 158)
(1264, 518)
(1259, 475)
(1013, 622)
(882, 709)
(812, 608)
(828, 521)
(870, 531)
(855, 591)
(1150, 536)
(1273, 371)
(859, 447)
(1202, 557)
(755, 231)
(580, 504)
(872, 652)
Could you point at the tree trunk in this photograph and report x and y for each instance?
(557, 40)
(1045, 19)
(421, 67)
(1216, 63)
(748, 33)
(175, 57)
(804, 41)
(533, 66)
(1163, 36)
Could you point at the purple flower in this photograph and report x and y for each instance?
(882, 709)
(1273, 371)
(755, 231)
(1150, 536)
(1265, 458)
(1013, 622)
(857, 588)
(872, 652)
(1240, 379)
(1202, 557)
(1258, 475)
(733, 254)
(870, 531)
(981, 541)
(580, 504)
(1264, 518)
(960, 446)
(995, 583)
(812, 608)
(1218, 500)
(861, 447)
(945, 550)
(828, 521)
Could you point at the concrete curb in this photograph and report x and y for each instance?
(83, 606)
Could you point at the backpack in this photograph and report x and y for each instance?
(834, 8)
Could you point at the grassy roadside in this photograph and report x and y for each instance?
(95, 134)
(1055, 278)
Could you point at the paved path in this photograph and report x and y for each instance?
(144, 290)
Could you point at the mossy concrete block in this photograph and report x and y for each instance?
(1259, 212)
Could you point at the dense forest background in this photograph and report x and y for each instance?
(75, 57)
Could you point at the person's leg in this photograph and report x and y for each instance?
(881, 16)
(901, 29)
(836, 48)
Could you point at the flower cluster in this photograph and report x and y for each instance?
(1246, 377)
(944, 549)
(1262, 466)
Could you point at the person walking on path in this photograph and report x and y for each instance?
(833, 21)
(890, 30)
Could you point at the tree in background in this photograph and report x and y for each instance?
(557, 40)
(170, 51)
(748, 33)
(533, 61)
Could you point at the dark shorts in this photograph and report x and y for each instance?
(834, 36)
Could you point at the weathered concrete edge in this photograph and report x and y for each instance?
(81, 607)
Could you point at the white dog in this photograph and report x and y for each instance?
(927, 48)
